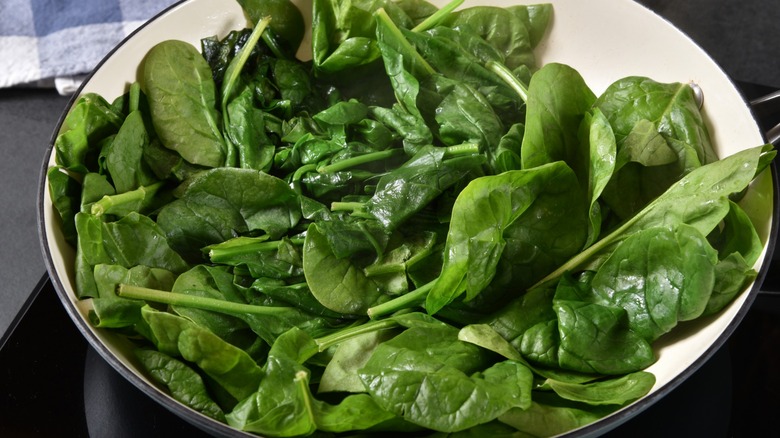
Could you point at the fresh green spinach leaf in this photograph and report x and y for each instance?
(429, 378)
(182, 101)
(184, 384)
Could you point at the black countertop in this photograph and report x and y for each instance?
(739, 35)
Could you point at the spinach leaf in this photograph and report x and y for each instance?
(618, 391)
(404, 251)
(89, 121)
(213, 282)
(216, 205)
(507, 155)
(631, 300)
(279, 405)
(182, 101)
(130, 241)
(584, 336)
(233, 120)
(672, 110)
(677, 272)
(65, 193)
(738, 235)
(167, 164)
(228, 366)
(279, 259)
(548, 418)
(699, 199)
(284, 405)
(504, 28)
(461, 55)
(522, 313)
(108, 310)
(732, 275)
(344, 33)
(536, 18)
(404, 68)
(406, 190)
(341, 373)
(659, 139)
(124, 155)
(465, 116)
(558, 99)
(596, 132)
(245, 128)
(503, 217)
(486, 337)
(183, 383)
(409, 126)
(338, 283)
(361, 239)
(287, 21)
(429, 378)
(333, 27)
(355, 412)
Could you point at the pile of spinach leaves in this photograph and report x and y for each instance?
(419, 230)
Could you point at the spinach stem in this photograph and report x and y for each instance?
(406, 47)
(360, 160)
(198, 302)
(370, 237)
(232, 74)
(388, 268)
(437, 16)
(461, 149)
(354, 208)
(346, 206)
(397, 268)
(302, 382)
(411, 299)
(272, 44)
(507, 76)
(134, 97)
(109, 204)
(340, 336)
(218, 254)
(235, 67)
(583, 256)
(299, 172)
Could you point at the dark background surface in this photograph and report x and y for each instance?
(737, 393)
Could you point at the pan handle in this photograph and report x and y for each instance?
(765, 108)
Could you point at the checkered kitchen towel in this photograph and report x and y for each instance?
(41, 40)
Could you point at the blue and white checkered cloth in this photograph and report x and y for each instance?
(41, 40)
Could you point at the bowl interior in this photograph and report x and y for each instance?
(603, 39)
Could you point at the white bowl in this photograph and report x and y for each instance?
(603, 39)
